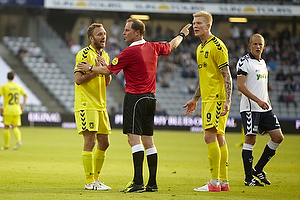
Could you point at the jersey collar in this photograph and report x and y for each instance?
(252, 57)
(209, 39)
(94, 50)
(138, 42)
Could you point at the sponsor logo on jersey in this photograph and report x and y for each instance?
(260, 76)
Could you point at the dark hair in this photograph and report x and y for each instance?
(91, 28)
(137, 25)
(10, 75)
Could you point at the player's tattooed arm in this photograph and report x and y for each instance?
(228, 81)
(228, 88)
(197, 94)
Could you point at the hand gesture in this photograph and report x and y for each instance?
(225, 108)
(185, 29)
(191, 106)
(101, 61)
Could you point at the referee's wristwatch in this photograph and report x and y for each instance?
(90, 68)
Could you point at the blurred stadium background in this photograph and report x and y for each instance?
(39, 40)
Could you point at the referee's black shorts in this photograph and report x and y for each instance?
(138, 113)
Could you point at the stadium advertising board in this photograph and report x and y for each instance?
(191, 123)
(175, 7)
(23, 3)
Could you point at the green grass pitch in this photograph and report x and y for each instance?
(48, 166)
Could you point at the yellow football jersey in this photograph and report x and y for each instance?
(90, 95)
(11, 92)
(212, 56)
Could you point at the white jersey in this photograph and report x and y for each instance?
(256, 73)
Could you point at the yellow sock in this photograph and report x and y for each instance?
(87, 159)
(224, 163)
(17, 133)
(214, 156)
(6, 138)
(99, 158)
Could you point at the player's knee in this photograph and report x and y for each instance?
(279, 139)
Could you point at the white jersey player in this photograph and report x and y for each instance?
(256, 111)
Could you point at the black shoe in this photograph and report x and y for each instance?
(261, 175)
(153, 188)
(254, 182)
(132, 187)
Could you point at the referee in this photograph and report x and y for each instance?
(139, 64)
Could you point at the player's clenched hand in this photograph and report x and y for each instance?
(264, 105)
(1, 111)
(191, 106)
(84, 66)
(101, 61)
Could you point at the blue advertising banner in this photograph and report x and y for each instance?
(23, 3)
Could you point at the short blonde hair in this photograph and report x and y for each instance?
(206, 15)
(256, 35)
(91, 29)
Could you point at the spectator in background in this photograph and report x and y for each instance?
(192, 88)
(159, 110)
(74, 47)
(191, 72)
(22, 52)
(272, 64)
(184, 88)
(297, 85)
(235, 32)
(290, 98)
(289, 87)
(290, 76)
(281, 97)
(165, 83)
(81, 32)
(280, 76)
(148, 31)
(35, 51)
(115, 29)
(67, 38)
(184, 73)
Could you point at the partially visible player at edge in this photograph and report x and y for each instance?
(215, 88)
(90, 107)
(12, 110)
(139, 64)
(256, 111)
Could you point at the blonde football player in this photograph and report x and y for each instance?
(256, 111)
(215, 88)
(12, 110)
(90, 107)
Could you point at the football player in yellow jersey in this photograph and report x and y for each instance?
(12, 110)
(215, 88)
(90, 107)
